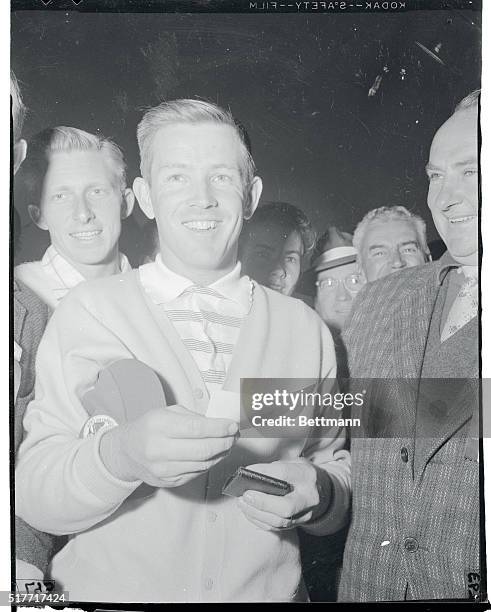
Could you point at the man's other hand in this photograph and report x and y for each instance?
(303, 504)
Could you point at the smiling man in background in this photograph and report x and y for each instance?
(76, 183)
(202, 327)
(337, 277)
(415, 532)
(389, 239)
(273, 245)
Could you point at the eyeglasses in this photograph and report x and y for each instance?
(352, 283)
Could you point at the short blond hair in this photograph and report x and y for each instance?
(190, 112)
(64, 139)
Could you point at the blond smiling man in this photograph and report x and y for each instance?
(76, 183)
(201, 326)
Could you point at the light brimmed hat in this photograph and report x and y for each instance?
(337, 250)
(338, 256)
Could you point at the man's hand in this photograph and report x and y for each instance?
(303, 504)
(167, 447)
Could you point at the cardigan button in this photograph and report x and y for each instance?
(411, 544)
(404, 454)
(198, 393)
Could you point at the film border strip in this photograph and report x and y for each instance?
(34, 592)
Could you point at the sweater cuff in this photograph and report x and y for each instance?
(335, 515)
(97, 478)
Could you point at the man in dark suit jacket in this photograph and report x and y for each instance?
(33, 549)
(415, 526)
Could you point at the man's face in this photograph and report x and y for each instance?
(273, 256)
(336, 290)
(196, 194)
(453, 191)
(389, 246)
(81, 206)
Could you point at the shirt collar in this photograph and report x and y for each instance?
(65, 275)
(60, 270)
(445, 264)
(163, 285)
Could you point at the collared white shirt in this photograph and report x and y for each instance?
(53, 277)
(207, 318)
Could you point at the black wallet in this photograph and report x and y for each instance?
(246, 480)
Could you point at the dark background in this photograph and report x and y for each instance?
(298, 82)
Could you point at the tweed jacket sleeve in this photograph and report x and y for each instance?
(30, 318)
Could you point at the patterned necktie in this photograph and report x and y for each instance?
(464, 307)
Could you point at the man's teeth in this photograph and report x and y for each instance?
(86, 235)
(201, 225)
(462, 219)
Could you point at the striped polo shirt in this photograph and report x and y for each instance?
(207, 318)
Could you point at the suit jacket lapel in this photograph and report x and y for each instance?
(411, 325)
(20, 312)
(443, 407)
(410, 334)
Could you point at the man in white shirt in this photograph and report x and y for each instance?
(77, 190)
(203, 328)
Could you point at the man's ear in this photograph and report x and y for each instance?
(254, 195)
(142, 193)
(128, 203)
(20, 152)
(37, 216)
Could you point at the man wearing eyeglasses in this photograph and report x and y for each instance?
(338, 282)
(333, 278)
